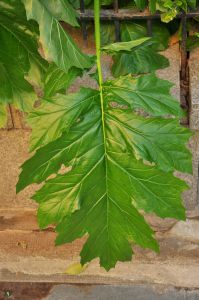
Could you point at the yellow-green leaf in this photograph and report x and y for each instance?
(76, 269)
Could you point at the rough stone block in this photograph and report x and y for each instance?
(194, 88)
(188, 230)
(13, 152)
(172, 72)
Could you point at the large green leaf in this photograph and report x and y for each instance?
(19, 57)
(57, 44)
(121, 164)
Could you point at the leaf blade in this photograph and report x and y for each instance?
(156, 140)
(145, 92)
(56, 115)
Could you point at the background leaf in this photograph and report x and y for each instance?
(19, 57)
(57, 44)
(135, 30)
(62, 10)
(142, 60)
(126, 46)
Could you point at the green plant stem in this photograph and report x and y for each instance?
(97, 39)
(98, 53)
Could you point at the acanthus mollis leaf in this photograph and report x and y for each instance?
(57, 45)
(117, 171)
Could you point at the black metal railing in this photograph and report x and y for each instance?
(116, 15)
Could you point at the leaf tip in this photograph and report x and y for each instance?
(19, 187)
(76, 269)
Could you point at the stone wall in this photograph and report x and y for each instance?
(29, 255)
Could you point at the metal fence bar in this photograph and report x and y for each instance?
(127, 14)
(183, 45)
(83, 22)
(184, 71)
(149, 27)
(117, 22)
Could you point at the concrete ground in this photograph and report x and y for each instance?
(48, 291)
